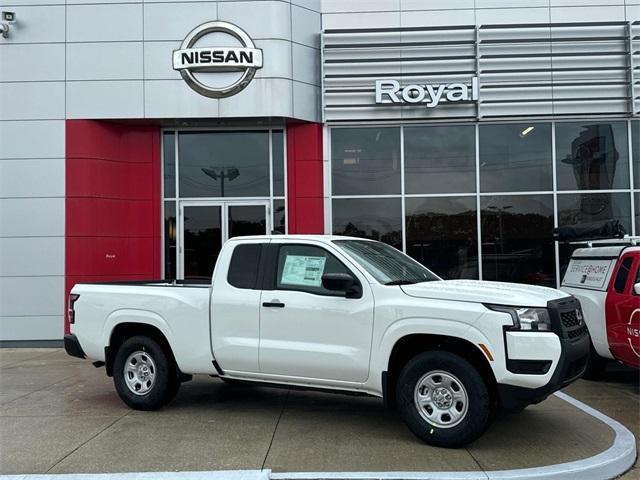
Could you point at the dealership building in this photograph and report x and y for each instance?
(137, 136)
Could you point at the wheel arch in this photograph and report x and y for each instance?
(125, 330)
(408, 346)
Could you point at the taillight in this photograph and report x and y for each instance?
(73, 298)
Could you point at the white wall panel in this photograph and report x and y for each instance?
(174, 99)
(511, 3)
(306, 64)
(33, 139)
(32, 328)
(31, 62)
(315, 5)
(35, 256)
(173, 21)
(97, 23)
(40, 177)
(584, 3)
(587, 14)
(305, 101)
(260, 19)
(340, 6)
(104, 61)
(431, 18)
(262, 97)
(26, 296)
(305, 26)
(435, 4)
(32, 100)
(37, 24)
(157, 60)
(512, 15)
(360, 20)
(31, 217)
(106, 99)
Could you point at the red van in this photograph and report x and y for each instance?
(606, 280)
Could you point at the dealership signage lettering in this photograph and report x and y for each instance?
(429, 95)
(190, 60)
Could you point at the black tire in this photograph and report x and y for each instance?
(596, 365)
(165, 382)
(479, 410)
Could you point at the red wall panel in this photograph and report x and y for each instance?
(304, 178)
(112, 202)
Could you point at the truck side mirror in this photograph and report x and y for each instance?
(342, 282)
(636, 289)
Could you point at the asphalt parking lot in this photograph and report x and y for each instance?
(60, 415)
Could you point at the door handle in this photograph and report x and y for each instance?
(273, 304)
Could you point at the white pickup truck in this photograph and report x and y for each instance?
(340, 314)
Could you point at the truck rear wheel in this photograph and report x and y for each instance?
(596, 365)
(144, 375)
(443, 399)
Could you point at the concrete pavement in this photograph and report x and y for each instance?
(61, 415)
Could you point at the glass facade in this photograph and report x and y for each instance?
(211, 175)
(486, 212)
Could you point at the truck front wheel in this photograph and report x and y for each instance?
(144, 375)
(443, 399)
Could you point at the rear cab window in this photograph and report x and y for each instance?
(244, 266)
(623, 274)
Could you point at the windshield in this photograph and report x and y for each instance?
(386, 264)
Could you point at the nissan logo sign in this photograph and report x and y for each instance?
(189, 60)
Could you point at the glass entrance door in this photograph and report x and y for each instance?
(205, 226)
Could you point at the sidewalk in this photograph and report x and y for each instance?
(61, 415)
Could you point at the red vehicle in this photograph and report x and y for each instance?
(606, 280)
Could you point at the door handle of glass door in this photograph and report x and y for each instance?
(273, 304)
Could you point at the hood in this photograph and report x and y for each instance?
(497, 293)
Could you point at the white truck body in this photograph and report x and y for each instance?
(330, 341)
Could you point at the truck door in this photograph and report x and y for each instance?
(622, 311)
(307, 330)
(235, 307)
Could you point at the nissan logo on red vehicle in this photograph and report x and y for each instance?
(190, 60)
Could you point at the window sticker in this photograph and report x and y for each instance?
(303, 270)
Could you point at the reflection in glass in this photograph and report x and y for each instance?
(515, 157)
(169, 164)
(202, 240)
(375, 218)
(442, 235)
(277, 149)
(247, 220)
(224, 164)
(279, 216)
(440, 159)
(582, 209)
(517, 239)
(170, 240)
(365, 161)
(635, 152)
(592, 156)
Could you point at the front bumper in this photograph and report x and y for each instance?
(72, 346)
(574, 352)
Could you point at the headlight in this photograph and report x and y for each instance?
(533, 319)
(526, 319)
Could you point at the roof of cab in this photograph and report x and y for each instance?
(322, 238)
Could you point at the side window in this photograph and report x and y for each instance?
(243, 268)
(622, 275)
(300, 267)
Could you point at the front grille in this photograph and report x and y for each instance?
(569, 319)
(577, 333)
